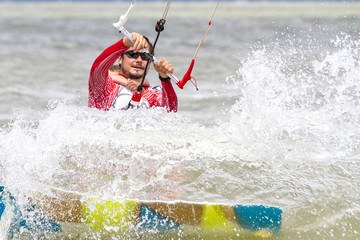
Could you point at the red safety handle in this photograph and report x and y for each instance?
(187, 75)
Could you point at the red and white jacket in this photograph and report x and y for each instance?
(103, 91)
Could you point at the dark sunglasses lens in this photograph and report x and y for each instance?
(144, 56)
(134, 55)
(131, 54)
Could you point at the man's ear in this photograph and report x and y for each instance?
(120, 59)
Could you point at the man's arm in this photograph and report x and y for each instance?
(100, 83)
(169, 98)
(130, 84)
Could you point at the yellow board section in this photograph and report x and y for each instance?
(263, 233)
(108, 216)
(214, 218)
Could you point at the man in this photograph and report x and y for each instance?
(106, 92)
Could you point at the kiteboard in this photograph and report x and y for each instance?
(48, 213)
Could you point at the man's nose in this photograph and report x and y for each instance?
(138, 58)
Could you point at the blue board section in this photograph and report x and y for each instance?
(258, 217)
(149, 219)
(2, 205)
(29, 218)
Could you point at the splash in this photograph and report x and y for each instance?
(291, 140)
(291, 99)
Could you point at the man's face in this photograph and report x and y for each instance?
(132, 68)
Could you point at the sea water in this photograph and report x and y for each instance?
(276, 120)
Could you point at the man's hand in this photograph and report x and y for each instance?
(139, 42)
(163, 67)
(133, 84)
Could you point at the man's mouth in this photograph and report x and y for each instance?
(138, 67)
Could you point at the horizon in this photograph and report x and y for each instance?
(179, 0)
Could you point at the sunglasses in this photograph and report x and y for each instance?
(135, 55)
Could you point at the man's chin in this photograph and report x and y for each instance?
(136, 75)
